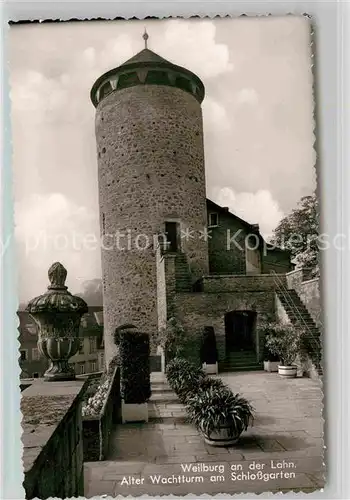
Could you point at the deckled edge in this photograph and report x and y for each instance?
(41, 20)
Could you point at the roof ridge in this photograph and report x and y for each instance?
(145, 55)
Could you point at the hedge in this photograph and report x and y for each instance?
(134, 348)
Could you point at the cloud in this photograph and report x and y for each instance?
(192, 44)
(255, 208)
(42, 98)
(247, 96)
(257, 120)
(215, 116)
(51, 228)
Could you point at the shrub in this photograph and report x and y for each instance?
(177, 342)
(183, 377)
(285, 343)
(214, 406)
(266, 331)
(119, 331)
(208, 382)
(134, 366)
(209, 353)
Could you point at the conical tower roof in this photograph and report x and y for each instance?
(138, 67)
(145, 56)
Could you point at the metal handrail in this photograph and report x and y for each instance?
(284, 292)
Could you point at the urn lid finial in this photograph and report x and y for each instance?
(57, 276)
(57, 298)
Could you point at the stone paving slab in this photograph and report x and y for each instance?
(287, 430)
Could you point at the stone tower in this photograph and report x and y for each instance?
(149, 135)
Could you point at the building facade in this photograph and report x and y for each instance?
(176, 254)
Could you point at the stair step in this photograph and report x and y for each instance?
(241, 369)
(161, 389)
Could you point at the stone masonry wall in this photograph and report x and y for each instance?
(308, 291)
(215, 284)
(53, 439)
(311, 297)
(304, 363)
(281, 313)
(151, 169)
(197, 310)
(274, 260)
(295, 279)
(227, 258)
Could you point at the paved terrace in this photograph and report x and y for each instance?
(287, 435)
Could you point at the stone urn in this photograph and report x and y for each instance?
(57, 314)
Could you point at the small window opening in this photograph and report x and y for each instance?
(213, 220)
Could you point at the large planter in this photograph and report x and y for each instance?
(271, 366)
(97, 429)
(221, 437)
(134, 412)
(57, 313)
(287, 371)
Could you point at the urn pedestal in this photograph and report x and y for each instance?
(57, 313)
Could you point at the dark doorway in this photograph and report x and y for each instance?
(239, 331)
(172, 234)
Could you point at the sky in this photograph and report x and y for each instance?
(258, 125)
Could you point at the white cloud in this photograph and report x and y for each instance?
(247, 96)
(51, 228)
(215, 116)
(257, 119)
(192, 44)
(255, 208)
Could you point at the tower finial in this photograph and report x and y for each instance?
(145, 37)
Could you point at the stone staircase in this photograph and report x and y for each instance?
(161, 392)
(300, 317)
(182, 274)
(164, 403)
(240, 361)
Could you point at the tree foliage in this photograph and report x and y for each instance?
(298, 233)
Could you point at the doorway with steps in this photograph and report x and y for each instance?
(240, 341)
(240, 331)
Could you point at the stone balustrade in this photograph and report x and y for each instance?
(57, 439)
(53, 439)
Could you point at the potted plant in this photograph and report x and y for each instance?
(271, 361)
(183, 377)
(286, 344)
(218, 413)
(209, 352)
